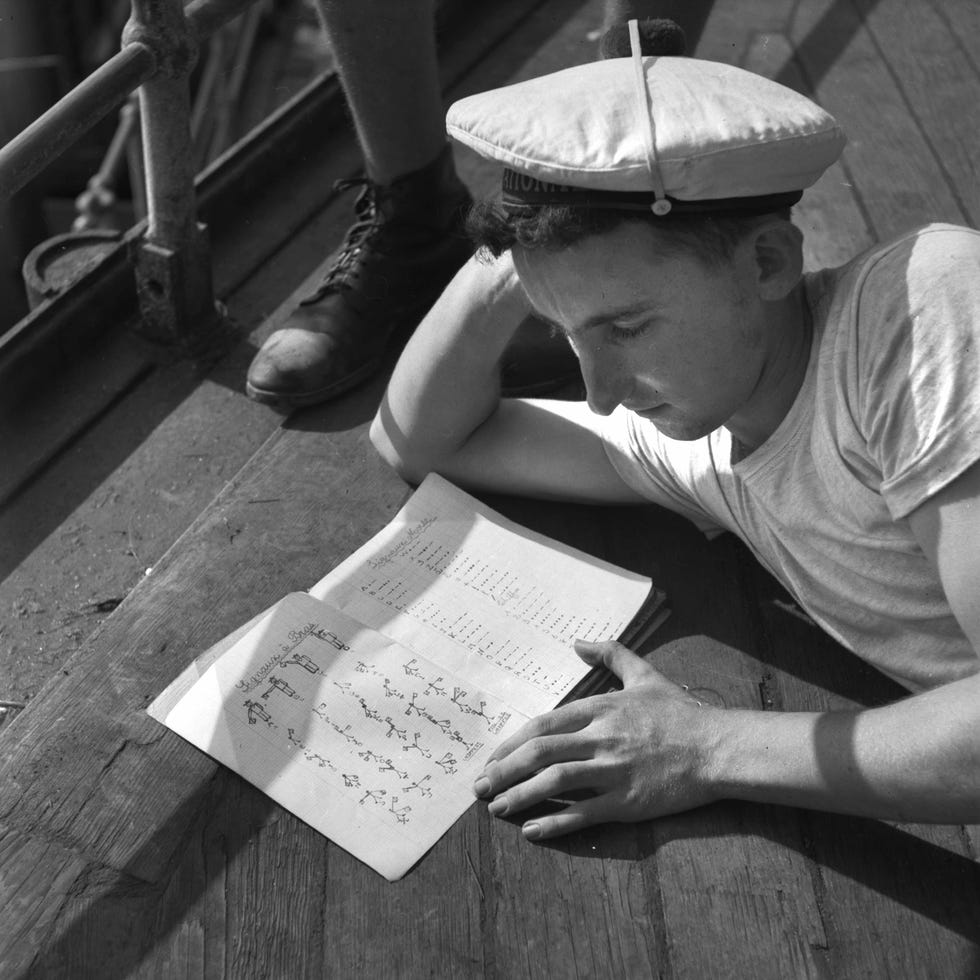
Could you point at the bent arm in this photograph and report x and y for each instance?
(445, 384)
(916, 760)
(650, 750)
(443, 412)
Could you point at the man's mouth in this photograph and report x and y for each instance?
(650, 412)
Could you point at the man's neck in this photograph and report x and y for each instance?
(791, 329)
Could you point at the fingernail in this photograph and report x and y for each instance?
(482, 786)
(497, 806)
(532, 831)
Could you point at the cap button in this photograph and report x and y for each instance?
(660, 207)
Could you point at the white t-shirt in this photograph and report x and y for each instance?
(888, 414)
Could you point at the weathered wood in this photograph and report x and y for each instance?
(245, 900)
(963, 20)
(829, 215)
(938, 83)
(34, 433)
(732, 28)
(35, 876)
(428, 924)
(887, 878)
(126, 852)
(709, 868)
(727, 863)
(890, 161)
(85, 765)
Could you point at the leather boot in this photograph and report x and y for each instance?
(406, 244)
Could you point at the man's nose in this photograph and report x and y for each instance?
(603, 381)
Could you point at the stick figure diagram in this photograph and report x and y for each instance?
(302, 660)
(256, 711)
(278, 684)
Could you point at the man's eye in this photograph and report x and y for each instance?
(621, 332)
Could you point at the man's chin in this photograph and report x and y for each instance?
(669, 423)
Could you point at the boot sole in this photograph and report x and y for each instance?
(287, 401)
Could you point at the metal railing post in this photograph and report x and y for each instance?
(172, 260)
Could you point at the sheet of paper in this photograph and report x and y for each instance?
(371, 744)
(448, 571)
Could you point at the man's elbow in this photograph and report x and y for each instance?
(399, 457)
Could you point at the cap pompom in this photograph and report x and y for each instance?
(658, 37)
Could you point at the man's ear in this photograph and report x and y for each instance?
(777, 252)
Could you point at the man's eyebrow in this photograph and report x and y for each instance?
(593, 321)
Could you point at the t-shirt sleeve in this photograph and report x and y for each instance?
(662, 470)
(918, 340)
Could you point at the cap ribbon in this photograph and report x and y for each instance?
(661, 205)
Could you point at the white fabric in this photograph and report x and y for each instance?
(888, 414)
(720, 131)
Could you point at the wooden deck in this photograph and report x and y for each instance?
(124, 852)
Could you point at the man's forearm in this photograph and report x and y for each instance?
(446, 382)
(916, 760)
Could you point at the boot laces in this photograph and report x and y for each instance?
(369, 221)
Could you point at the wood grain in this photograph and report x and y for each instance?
(124, 852)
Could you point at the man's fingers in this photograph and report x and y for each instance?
(620, 660)
(575, 817)
(528, 758)
(550, 783)
(568, 718)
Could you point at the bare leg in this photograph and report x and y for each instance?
(386, 59)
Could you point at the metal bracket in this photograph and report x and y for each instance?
(175, 291)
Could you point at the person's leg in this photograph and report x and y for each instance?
(385, 51)
(407, 240)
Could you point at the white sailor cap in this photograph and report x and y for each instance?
(657, 133)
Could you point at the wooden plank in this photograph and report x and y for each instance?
(703, 870)
(86, 742)
(899, 923)
(245, 900)
(963, 19)
(726, 869)
(428, 924)
(35, 877)
(732, 27)
(901, 901)
(578, 907)
(667, 896)
(886, 891)
(829, 215)
(940, 86)
(894, 171)
(35, 432)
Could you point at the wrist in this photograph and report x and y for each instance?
(759, 756)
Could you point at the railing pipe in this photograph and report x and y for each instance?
(165, 110)
(52, 133)
(171, 261)
(173, 264)
(204, 17)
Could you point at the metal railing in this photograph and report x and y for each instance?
(171, 259)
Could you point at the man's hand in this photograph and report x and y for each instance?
(636, 749)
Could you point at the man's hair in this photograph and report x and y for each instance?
(711, 237)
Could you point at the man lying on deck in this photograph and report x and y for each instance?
(830, 420)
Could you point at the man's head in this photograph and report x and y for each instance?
(645, 200)
(685, 336)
